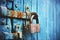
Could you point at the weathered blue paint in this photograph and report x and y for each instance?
(48, 13)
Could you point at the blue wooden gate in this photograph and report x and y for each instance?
(48, 13)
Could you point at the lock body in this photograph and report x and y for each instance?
(34, 28)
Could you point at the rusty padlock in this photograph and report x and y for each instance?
(34, 28)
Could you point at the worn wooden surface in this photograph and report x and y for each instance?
(48, 13)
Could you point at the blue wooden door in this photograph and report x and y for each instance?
(49, 17)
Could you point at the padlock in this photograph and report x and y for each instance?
(34, 28)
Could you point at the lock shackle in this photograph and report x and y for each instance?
(34, 16)
(37, 21)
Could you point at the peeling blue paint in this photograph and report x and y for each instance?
(49, 18)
